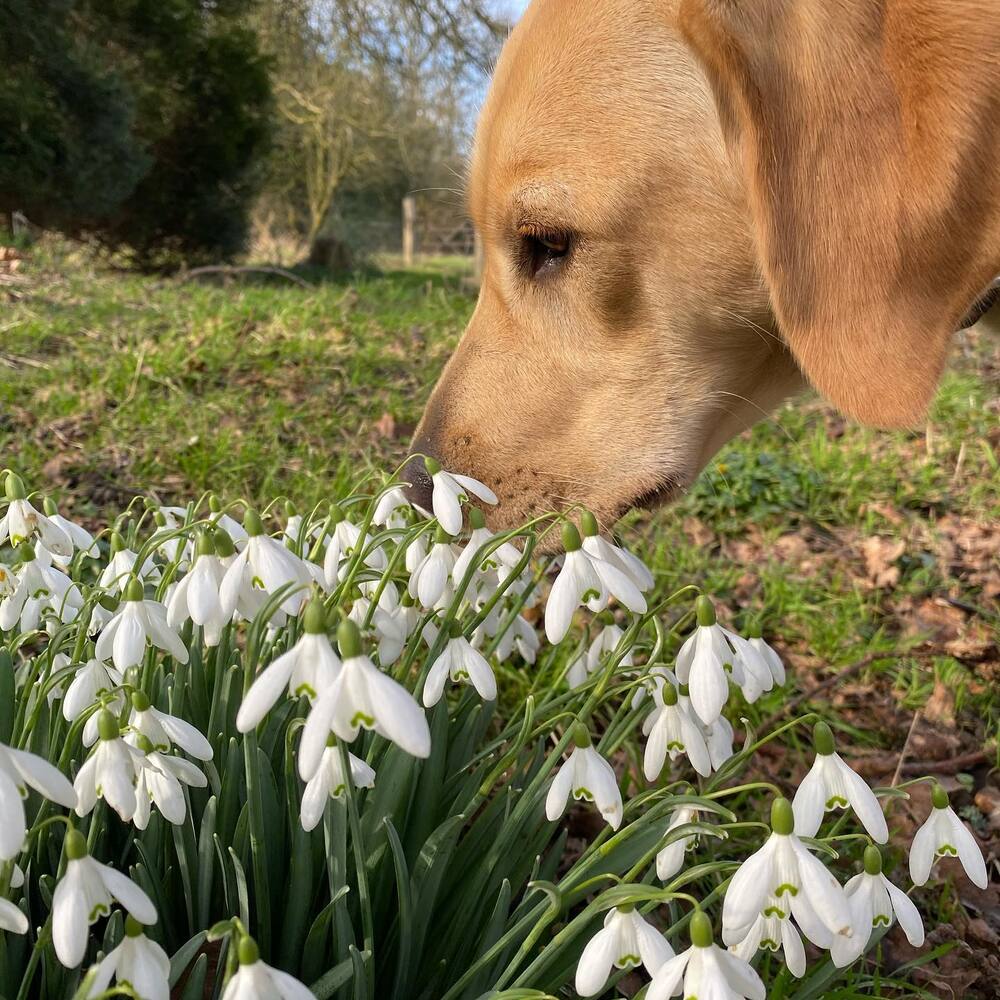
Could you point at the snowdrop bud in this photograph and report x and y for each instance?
(782, 817)
(571, 538)
(14, 487)
(477, 519)
(939, 797)
(289, 509)
(336, 514)
(214, 503)
(204, 544)
(117, 542)
(588, 524)
(248, 952)
(252, 523)
(873, 860)
(159, 519)
(224, 547)
(701, 930)
(433, 467)
(314, 617)
(49, 507)
(349, 639)
(133, 590)
(705, 610)
(581, 738)
(75, 845)
(823, 739)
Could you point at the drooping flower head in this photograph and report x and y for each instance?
(626, 941)
(702, 662)
(944, 835)
(587, 777)
(449, 490)
(831, 784)
(22, 522)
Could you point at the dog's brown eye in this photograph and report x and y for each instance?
(544, 250)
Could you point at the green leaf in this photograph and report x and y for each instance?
(181, 958)
(405, 924)
(206, 861)
(339, 975)
(7, 699)
(194, 988)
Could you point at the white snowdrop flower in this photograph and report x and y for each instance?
(587, 777)
(702, 661)
(362, 697)
(616, 576)
(18, 770)
(505, 556)
(92, 680)
(672, 731)
(12, 918)
(520, 636)
(577, 583)
(875, 902)
(577, 673)
(390, 510)
(307, 670)
(255, 980)
(197, 595)
(223, 522)
(263, 568)
(22, 522)
(749, 667)
(670, 858)
(459, 662)
(770, 657)
(651, 681)
(344, 539)
(121, 567)
(179, 548)
(783, 867)
(8, 581)
(84, 895)
(39, 586)
(137, 962)
(718, 739)
(606, 642)
(392, 621)
(769, 932)
(449, 490)
(600, 548)
(626, 941)
(329, 783)
(705, 971)
(944, 835)
(831, 784)
(83, 540)
(138, 621)
(416, 552)
(109, 773)
(159, 778)
(430, 581)
(164, 730)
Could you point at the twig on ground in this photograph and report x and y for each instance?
(950, 766)
(280, 272)
(906, 746)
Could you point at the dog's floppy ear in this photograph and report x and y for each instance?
(867, 131)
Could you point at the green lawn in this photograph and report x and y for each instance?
(848, 542)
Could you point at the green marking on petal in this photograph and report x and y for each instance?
(675, 745)
(339, 790)
(786, 887)
(770, 944)
(947, 851)
(590, 595)
(101, 910)
(881, 920)
(627, 962)
(837, 802)
(304, 689)
(258, 583)
(775, 911)
(359, 718)
(583, 793)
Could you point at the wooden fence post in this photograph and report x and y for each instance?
(409, 220)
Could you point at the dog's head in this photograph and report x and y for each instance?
(686, 207)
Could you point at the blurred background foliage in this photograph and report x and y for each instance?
(180, 132)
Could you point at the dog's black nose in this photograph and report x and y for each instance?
(421, 489)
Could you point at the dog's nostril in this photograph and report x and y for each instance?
(420, 489)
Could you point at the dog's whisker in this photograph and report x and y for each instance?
(765, 415)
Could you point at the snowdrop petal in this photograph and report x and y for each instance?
(863, 802)
(654, 948)
(749, 886)
(823, 891)
(476, 488)
(13, 829)
(400, 718)
(436, 678)
(446, 505)
(186, 736)
(70, 919)
(740, 977)
(595, 963)
(922, 852)
(559, 791)
(289, 988)
(46, 779)
(906, 913)
(265, 691)
(968, 851)
(315, 798)
(667, 980)
(12, 919)
(809, 802)
(128, 894)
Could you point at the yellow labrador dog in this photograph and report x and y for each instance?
(691, 208)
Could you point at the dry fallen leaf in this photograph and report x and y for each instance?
(880, 558)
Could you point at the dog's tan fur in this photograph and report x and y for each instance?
(754, 189)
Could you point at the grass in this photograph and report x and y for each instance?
(846, 542)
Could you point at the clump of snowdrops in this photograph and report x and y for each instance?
(259, 754)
